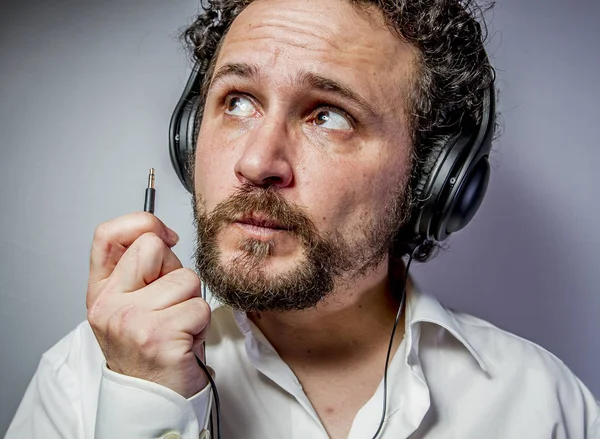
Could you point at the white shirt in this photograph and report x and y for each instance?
(454, 376)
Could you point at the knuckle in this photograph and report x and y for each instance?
(93, 315)
(149, 222)
(152, 242)
(198, 308)
(90, 300)
(147, 219)
(96, 312)
(146, 339)
(120, 322)
(129, 332)
(189, 278)
(94, 318)
(103, 233)
(202, 307)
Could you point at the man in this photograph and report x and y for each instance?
(318, 120)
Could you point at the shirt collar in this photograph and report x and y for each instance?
(422, 308)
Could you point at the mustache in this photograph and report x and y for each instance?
(248, 200)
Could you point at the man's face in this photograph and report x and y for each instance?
(303, 154)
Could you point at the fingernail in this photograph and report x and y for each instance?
(173, 237)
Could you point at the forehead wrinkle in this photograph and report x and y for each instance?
(334, 36)
(320, 42)
(291, 26)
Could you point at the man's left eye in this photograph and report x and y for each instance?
(239, 106)
(332, 120)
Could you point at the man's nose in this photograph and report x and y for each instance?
(265, 159)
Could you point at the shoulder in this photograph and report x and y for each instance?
(497, 351)
(531, 370)
(501, 349)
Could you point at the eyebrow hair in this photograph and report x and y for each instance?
(241, 70)
(306, 79)
(328, 85)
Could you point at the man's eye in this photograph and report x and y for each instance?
(239, 106)
(332, 120)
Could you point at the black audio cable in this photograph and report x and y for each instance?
(389, 351)
(149, 207)
(215, 393)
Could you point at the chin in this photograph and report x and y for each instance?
(280, 252)
(268, 264)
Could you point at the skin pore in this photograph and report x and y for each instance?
(309, 98)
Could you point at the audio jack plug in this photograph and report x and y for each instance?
(150, 193)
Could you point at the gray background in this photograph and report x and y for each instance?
(86, 93)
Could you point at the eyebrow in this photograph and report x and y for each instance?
(305, 79)
(241, 70)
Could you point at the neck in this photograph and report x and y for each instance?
(354, 321)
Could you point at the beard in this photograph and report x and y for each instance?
(327, 260)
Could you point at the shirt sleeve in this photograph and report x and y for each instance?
(134, 408)
(49, 407)
(52, 407)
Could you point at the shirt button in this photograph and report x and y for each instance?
(205, 434)
(172, 436)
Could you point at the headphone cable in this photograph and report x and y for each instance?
(389, 351)
(216, 396)
(212, 384)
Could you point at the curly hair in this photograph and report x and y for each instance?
(453, 70)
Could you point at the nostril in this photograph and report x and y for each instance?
(264, 170)
(271, 181)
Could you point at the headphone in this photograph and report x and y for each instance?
(449, 192)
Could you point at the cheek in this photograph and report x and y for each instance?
(338, 194)
(350, 192)
(213, 167)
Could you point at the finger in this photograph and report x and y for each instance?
(190, 317)
(145, 261)
(111, 240)
(170, 290)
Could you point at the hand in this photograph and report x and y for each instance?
(144, 308)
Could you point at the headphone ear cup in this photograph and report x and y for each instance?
(469, 196)
(453, 192)
(184, 126)
(454, 182)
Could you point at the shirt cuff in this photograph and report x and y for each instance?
(133, 408)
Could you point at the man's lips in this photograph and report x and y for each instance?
(262, 221)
